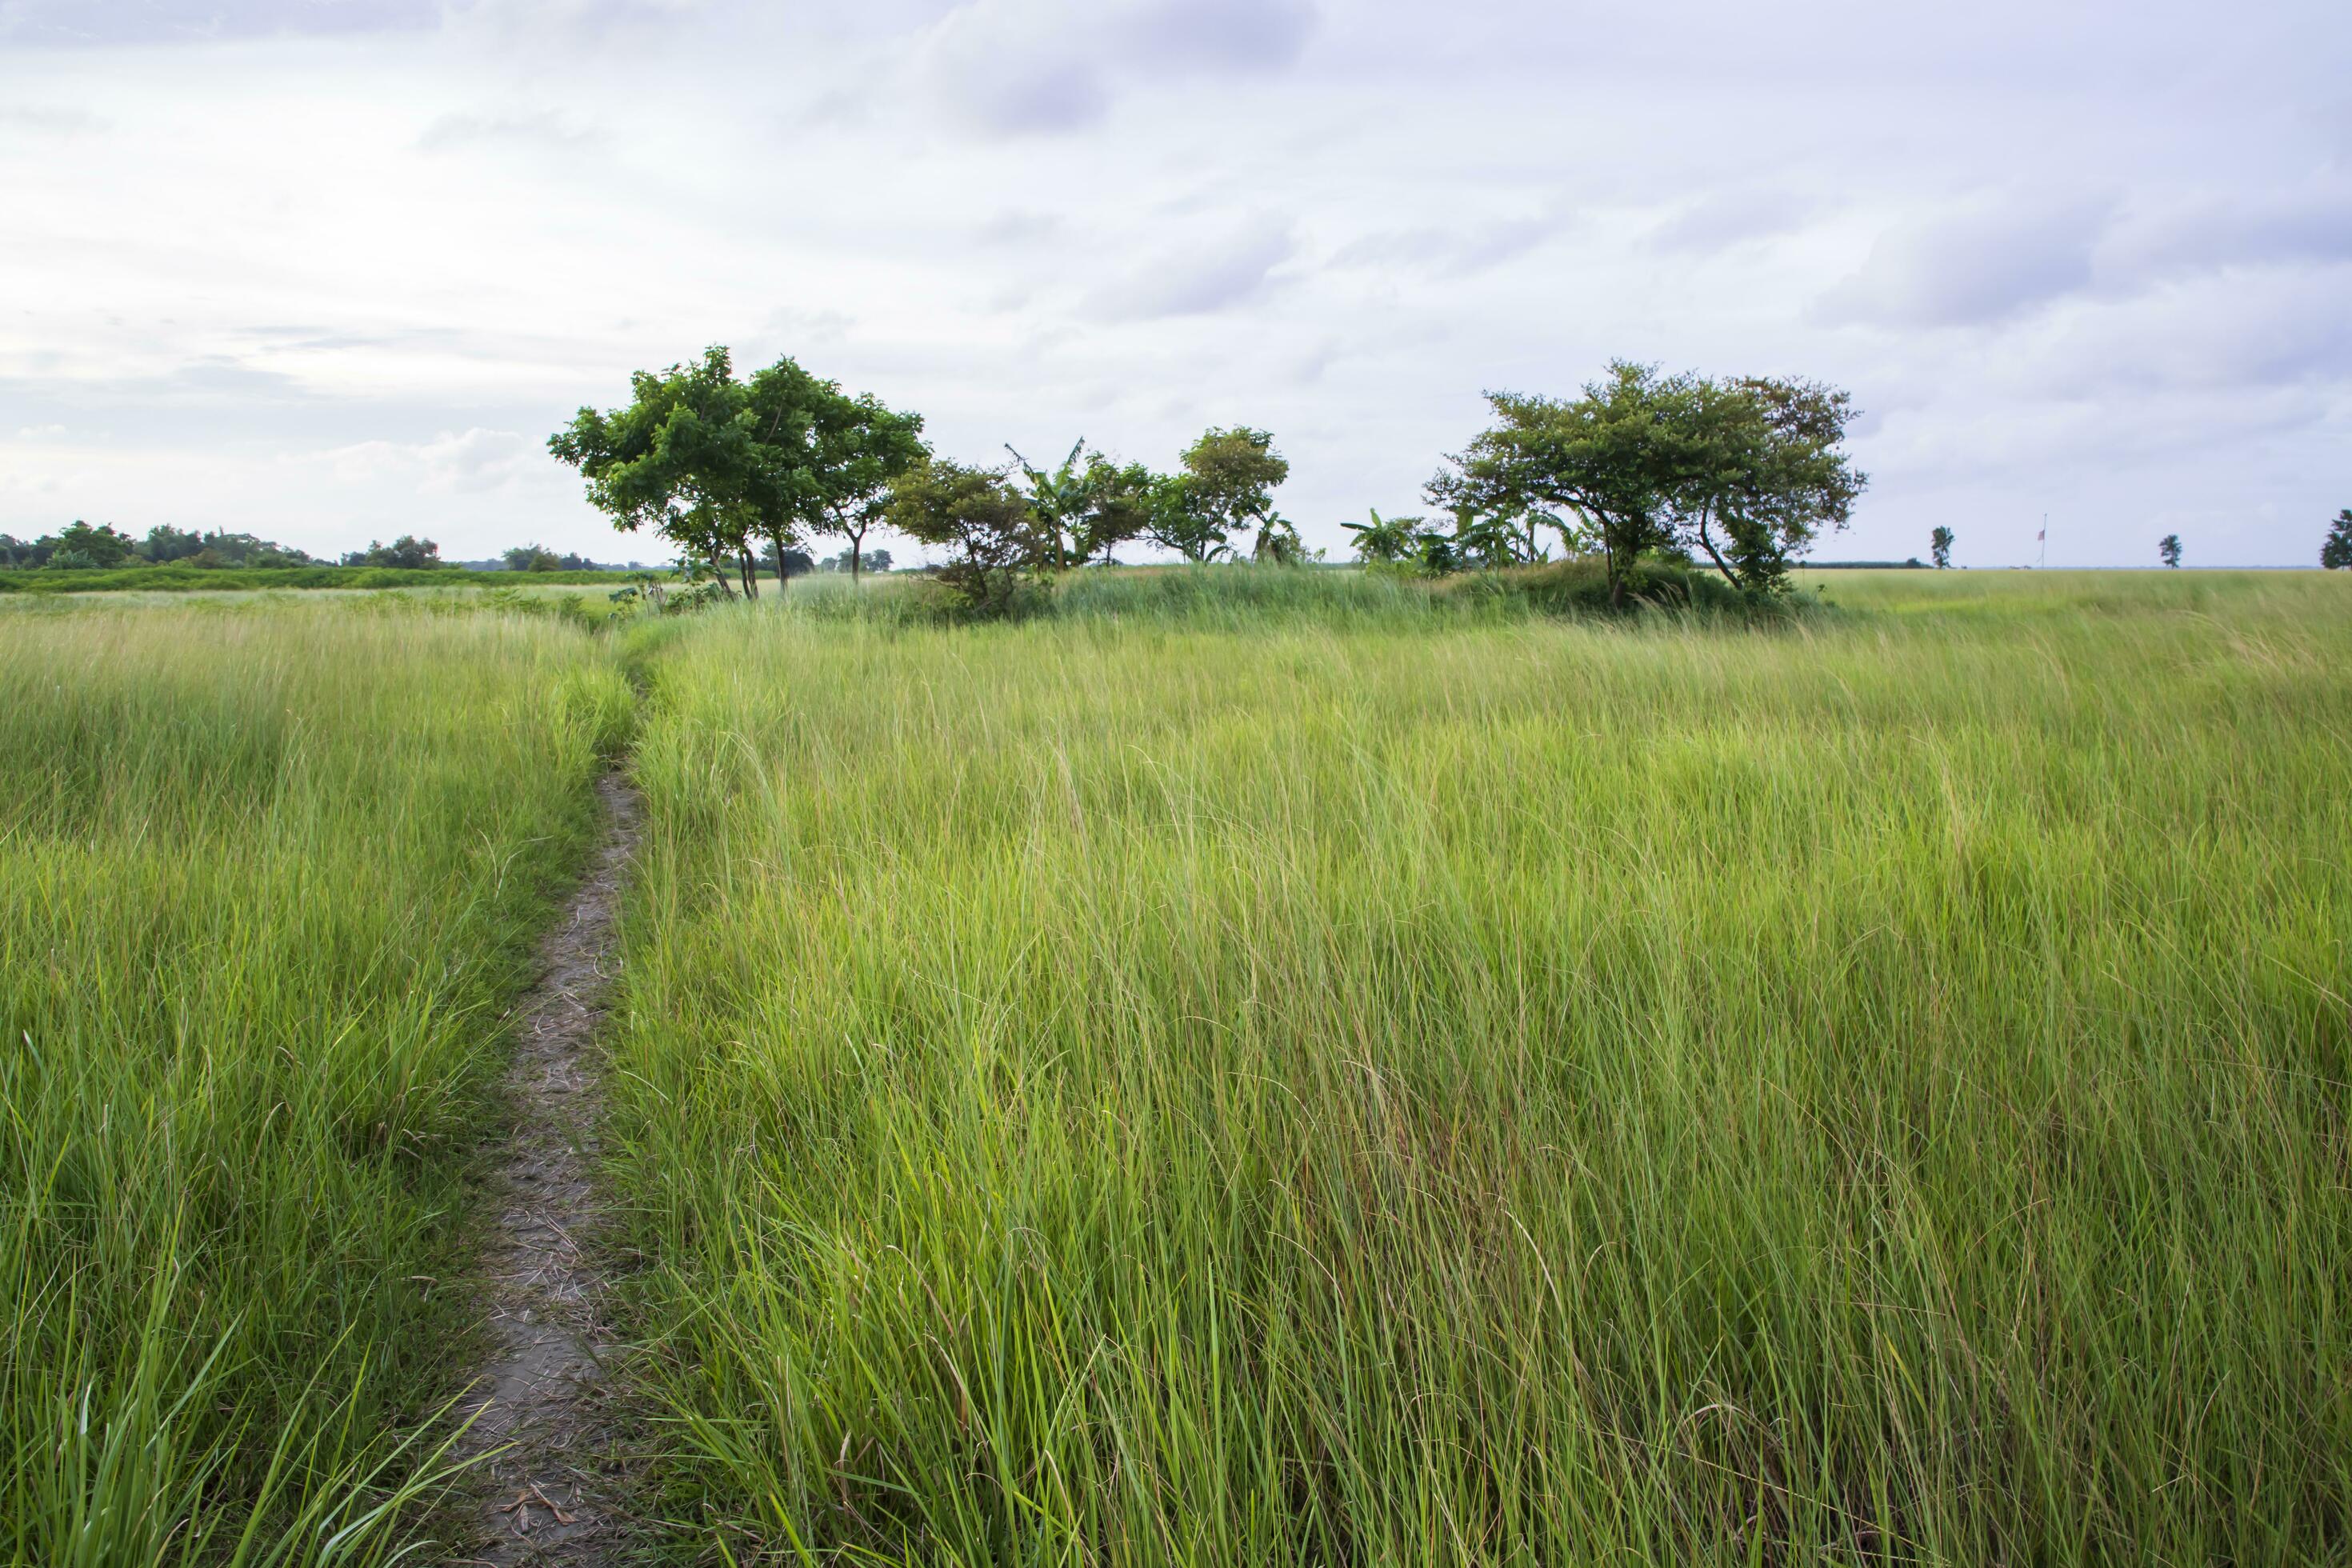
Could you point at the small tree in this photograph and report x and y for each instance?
(408, 553)
(1118, 503)
(2335, 552)
(1228, 480)
(2167, 549)
(1385, 541)
(976, 513)
(1059, 498)
(1940, 547)
(531, 558)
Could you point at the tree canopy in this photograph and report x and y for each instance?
(2336, 550)
(1747, 472)
(990, 526)
(711, 463)
(1226, 483)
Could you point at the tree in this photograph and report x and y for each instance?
(1939, 546)
(1119, 502)
(165, 543)
(1227, 482)
(676, 458)
(2167, 549)
(1059, 498)
(408, 553)
(531, 558)
(977, 513)
(878, 561)
(103, 547)
(1648, 462)
(2335, 552)
(1768, 469)
(823, 460)
(1613, 459)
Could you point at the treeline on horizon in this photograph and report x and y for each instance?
(1656, 481)
(81, 547)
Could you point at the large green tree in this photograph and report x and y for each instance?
(1940, 547)
(672, 458)
(827, 459)
(1610, 460)
(1747, 472)
(712, 463)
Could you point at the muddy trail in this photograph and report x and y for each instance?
(549, 1493)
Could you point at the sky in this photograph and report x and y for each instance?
(328, 270)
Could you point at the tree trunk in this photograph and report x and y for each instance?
(1707, 543)
(777, 540)
(856, 553)
(751, 572)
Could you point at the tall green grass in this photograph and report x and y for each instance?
(268, 876)
(1125, 1090)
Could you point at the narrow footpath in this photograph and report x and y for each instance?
(549, 1497)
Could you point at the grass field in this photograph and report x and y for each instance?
(1244, 1067)
(265, 882)
(1133, 1092)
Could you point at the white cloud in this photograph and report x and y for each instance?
(2089, 259)
(470, 461)
(1218, 272)
(1984, 262)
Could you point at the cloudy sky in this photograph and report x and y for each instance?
(328, 270)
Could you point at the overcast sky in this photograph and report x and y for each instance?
(328, 270)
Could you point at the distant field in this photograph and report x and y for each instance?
(250, 579)
(1244, 1067)
(1532, 1092)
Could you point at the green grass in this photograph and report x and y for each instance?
(1232, 1087)
(267, 877)
(1242, 1067)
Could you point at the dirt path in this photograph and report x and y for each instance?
(549, 1498)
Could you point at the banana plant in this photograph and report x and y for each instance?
(1061, 499)
(1388, 539)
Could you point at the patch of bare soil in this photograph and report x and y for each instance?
(549, 1491)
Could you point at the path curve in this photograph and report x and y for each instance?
(549, 1497)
